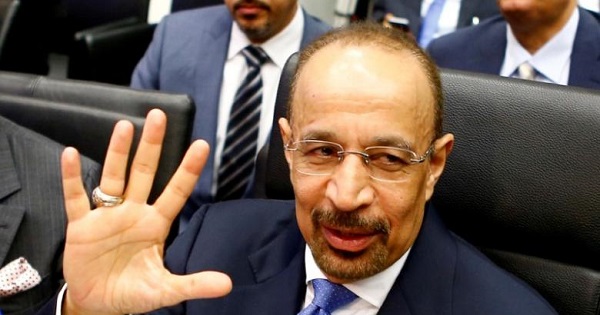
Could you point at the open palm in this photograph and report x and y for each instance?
(113, 260)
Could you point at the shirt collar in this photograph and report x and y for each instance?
(550, 59)
(278, 47)
(374, 289)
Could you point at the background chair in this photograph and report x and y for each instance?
(83, 114)
(522, 182)
(109, 52)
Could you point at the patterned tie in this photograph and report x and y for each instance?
(237, 159)
(430, 22)
(328, 297)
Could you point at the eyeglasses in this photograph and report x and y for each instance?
(389, 164)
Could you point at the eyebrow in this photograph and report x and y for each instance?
(387, 141)
(392, 141)
(319, 135)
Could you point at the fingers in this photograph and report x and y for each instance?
(146, 157)
(76, 200)
(182, 183)
(201, 285)
(115, 163)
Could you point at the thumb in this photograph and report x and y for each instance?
(201, 285)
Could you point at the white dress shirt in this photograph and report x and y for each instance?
(279, 48)
(371, 291)
(552, 61)
(448, 18)
(592, 5)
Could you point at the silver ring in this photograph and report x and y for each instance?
(101, 199)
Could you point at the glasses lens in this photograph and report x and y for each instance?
(316, 157)
(389, 163)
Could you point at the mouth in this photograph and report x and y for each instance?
(348, 240)
(250, 8)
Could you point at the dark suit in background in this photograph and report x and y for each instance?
(32, 211)
(187, 55)
(481, 48)
(259, 245)
(411, 9)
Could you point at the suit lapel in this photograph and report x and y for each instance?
(492, 48)
(10, 216)
(425, 284)
(585, 64)
(209, 76)
(279, 291)
(310, 31)
(279, 288)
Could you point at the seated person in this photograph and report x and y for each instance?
(548, 41)
(207, 53)
(359, 237)
(454, 14)
(32, 217)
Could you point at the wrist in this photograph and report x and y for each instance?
(71, 308)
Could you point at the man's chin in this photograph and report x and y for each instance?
(347, 266)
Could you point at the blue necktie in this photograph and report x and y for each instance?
(237, 159)
(329, 296)
(430, 22)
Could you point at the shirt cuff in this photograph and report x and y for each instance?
(59, 299)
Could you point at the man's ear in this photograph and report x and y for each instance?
(437, 161)
(286, 136)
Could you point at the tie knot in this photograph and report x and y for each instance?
(255, 56)
(526, 71)
(330, 296)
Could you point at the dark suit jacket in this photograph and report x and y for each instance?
(32, 212)
(411, 9)
(187, 55)
(481, 48)
(258, 243)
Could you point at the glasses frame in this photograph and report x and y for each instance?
(417, 159)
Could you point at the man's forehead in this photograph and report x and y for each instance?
(363, 71)
(339, 65)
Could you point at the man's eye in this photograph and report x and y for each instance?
(322, 151)
(389, 160)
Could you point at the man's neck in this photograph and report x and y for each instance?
(533, 36)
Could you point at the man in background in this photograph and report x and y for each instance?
(551, 41)
(428, 19)
(202, 53)
(32, 217)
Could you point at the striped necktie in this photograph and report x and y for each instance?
(239, 151)
(430, 22)
(329, 296)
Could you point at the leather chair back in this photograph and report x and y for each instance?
(82, 114)
(109, 53)
(522, 183)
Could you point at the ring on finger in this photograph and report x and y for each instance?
(100, 199)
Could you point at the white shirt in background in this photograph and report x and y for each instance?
(448, 19)
(279, 48)
(552, 61)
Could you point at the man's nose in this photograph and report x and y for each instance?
(350, 185)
